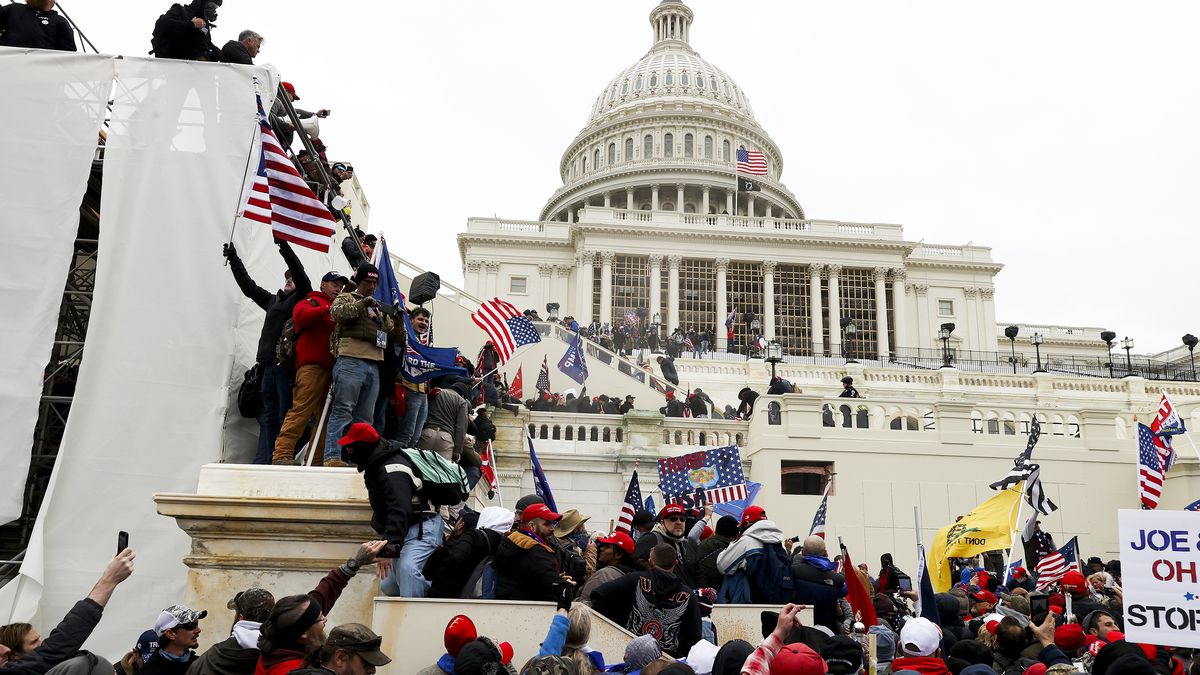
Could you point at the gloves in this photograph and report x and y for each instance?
(228, 250)
(563, 593)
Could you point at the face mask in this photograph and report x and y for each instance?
(579, 539)
(210, 12)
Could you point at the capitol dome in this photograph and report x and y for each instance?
(663, 136)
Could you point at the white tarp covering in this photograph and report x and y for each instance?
(168, 340)
(53, 109)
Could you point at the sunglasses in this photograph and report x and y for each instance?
(681, 519)
(191, 625)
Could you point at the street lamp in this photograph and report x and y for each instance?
(1036, 341)
(1127, 345)
(774, 355)
(552, 311)
(1190, 341)
(1011, 334)
(849, 330)
(1108, 336)
(944, 332)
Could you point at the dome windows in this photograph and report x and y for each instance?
(637, 83)
(647, 147)
(596, 160)
(708, 147)
(612, 153)
(585, 164)
(668, 145)
(725, 150)
(625, 87)
(699, 81)
(728, 94)
(670, 79)
(683, 78)
(653, 79)
(689, 146)
(629, 149)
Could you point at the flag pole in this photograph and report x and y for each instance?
(246, 170)
(1013, 533)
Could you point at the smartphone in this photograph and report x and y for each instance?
(794, 539)
(1039, 607)
(905, 583)
(122, 541)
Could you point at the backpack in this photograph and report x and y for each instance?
(249, 397)
(770, 574)
(442, 482)
(285, 347)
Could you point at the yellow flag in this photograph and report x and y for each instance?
(988, 527)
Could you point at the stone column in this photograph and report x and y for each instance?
(769, 299)
(898, 316)
(629, 198)
(544, 273)
(924, 330)
(473, 284)
(679, 197)
(750, 205)
(606, 261)
(816, 314)
(722, 265)
(673, 292)
(729, 202)
(835, 311)
(704, 201)
(653, 197)
(493, 269)
(971, 334)
(559, 282)
(607, 200)
(768, 209)
(656, 285)
(987, 316)
(584, 279)
(881, 302)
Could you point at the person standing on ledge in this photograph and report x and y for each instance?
(848, 390)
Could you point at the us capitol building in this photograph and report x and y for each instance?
(649, 218)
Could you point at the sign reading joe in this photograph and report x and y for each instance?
(1160, 573)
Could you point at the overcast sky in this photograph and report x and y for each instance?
(1061, 134)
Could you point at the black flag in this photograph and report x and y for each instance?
(747, 185)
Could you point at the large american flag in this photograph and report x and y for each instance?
(279, 197)
(633, 502)
(1051, 569)
(1150, 473)
(1166, 423)
(506, 327)
(718, 472)
(751, 162)
(818, 524)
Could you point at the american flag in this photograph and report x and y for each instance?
(1166, 423)
(818, 524)
(488, 466)
(1150, 474)
(717, 471)
(1022, 467)
(688, 345)
(543, 382)
(1051, 569)
(279, 197)
(751, 162)
(633, 502)
(506, 327)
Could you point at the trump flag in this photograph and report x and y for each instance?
(716, 473)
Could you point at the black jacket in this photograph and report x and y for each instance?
(225, 658)
(685, 552)
(62, 643)
(668, 370)
(653, 602)
(176, 37)
(452, 563)
(388, 477)
(236, 52)
(24, 26)
(819, 588)
(673, 408)
(707, 573)
(354, 254)
(160, 665)
(277, 305)
(699, 403)
(526, 569)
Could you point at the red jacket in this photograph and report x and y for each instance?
(929, 665)
(313, 326)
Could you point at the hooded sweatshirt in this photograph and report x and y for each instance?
(655, 602)
(763, 532)
(237, 655)
(685, 550)
(453, 563)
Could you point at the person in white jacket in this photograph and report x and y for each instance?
(755, 553)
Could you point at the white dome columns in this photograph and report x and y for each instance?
(673, 262)
(722, 266)
(672, 22)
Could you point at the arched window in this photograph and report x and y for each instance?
(596, 160)
(612, 153)
(727, 92)
(708, 147)
(683, 78)
(654, 79)
(668, 145)
(725, 150)
(585, 164)
(637, 84)
(628, 148)
(647, 147)
(699, 81)
(670, 78)
(689, 146)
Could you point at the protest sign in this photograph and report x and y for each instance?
(1160, 575)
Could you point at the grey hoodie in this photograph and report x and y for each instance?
(756, 536)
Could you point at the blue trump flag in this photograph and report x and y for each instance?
(735, 508)
(650, 505)
(572, 364)
(540, 485)
(420, 362)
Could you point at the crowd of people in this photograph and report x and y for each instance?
(659, 580)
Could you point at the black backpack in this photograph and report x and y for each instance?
(285, 347)
(249, 398)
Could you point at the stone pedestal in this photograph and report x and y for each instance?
(279, 528)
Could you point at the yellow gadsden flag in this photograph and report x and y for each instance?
(988, 527)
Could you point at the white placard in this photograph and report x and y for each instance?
(1160, 574)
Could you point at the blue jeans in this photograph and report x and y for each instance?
(277, 400)
(355, 387)
(408, 431)
(404, 579)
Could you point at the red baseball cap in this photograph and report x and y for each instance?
(1074, 581)
(984, 596)
(459, 632)
(798, 659)
(539, 511)
(506, 652)
(1069, 637)
(620, 540)
(672, 510)
(291, 90)
(360, 432)
(753, 514)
